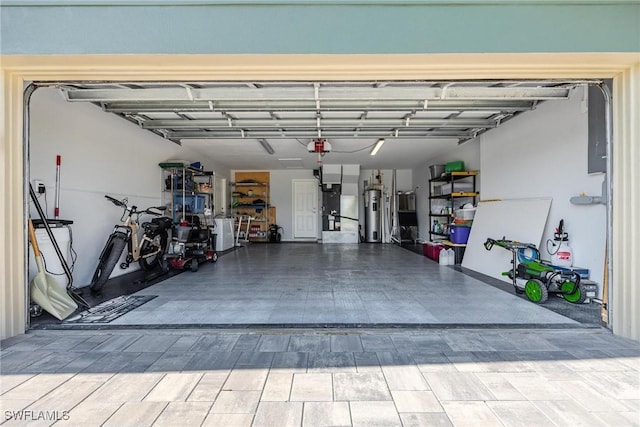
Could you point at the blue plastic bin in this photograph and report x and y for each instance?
(459, 234)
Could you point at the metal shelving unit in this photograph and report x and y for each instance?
(186, 190)
(452, 179)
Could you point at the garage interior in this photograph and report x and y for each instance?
(526, 140)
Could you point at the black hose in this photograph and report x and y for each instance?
(346, 217)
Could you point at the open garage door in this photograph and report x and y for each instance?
(267, 126)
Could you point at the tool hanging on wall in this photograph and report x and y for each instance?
(56, 210)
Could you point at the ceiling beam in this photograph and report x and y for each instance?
(312, 134)
(290, 107)
(289, 123)
(316, 94)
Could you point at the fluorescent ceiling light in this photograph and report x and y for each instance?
(377, 146)
(268, 148)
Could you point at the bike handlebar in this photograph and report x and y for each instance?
(134, 210)
(116, 202)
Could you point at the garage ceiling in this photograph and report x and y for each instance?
(236, 122)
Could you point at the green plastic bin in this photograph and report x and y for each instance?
(457, 166)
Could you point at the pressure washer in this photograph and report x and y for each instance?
(536, 278)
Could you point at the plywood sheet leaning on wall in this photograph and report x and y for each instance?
(522, 220)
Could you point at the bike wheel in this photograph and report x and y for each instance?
(159, 243)
(110, 256)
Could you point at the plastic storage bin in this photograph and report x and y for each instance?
(459, 234)
(432, 250)
(192, 203)
(457, 166)
(458, 187)
(436, 171)
(465, 214)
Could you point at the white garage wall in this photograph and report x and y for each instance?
(282, 197)
(282, 192)
(469, 153)
(101, 154)
(544, 153)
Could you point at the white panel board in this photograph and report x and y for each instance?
(522, 220)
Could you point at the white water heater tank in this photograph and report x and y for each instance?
(373, 215)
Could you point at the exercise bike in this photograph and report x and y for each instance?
(191, 244)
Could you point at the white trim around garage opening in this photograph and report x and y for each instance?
(624, 68)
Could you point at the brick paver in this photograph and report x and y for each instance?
(410, 377)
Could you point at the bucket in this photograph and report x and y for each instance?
(459, 234)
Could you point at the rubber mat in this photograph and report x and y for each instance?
(110, 310)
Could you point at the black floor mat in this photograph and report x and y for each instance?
(110, 310)
(126, 284)
(588, 314)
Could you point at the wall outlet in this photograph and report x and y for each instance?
(39, 186)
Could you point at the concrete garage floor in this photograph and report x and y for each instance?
(312, 285)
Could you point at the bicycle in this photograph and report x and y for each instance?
(147, 251)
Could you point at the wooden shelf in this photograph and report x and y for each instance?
(456, 194)
(250, 184)
(455, 245)
(439, 234)
(256, 182)
(454, 176)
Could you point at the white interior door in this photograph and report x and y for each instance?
(305, 209)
